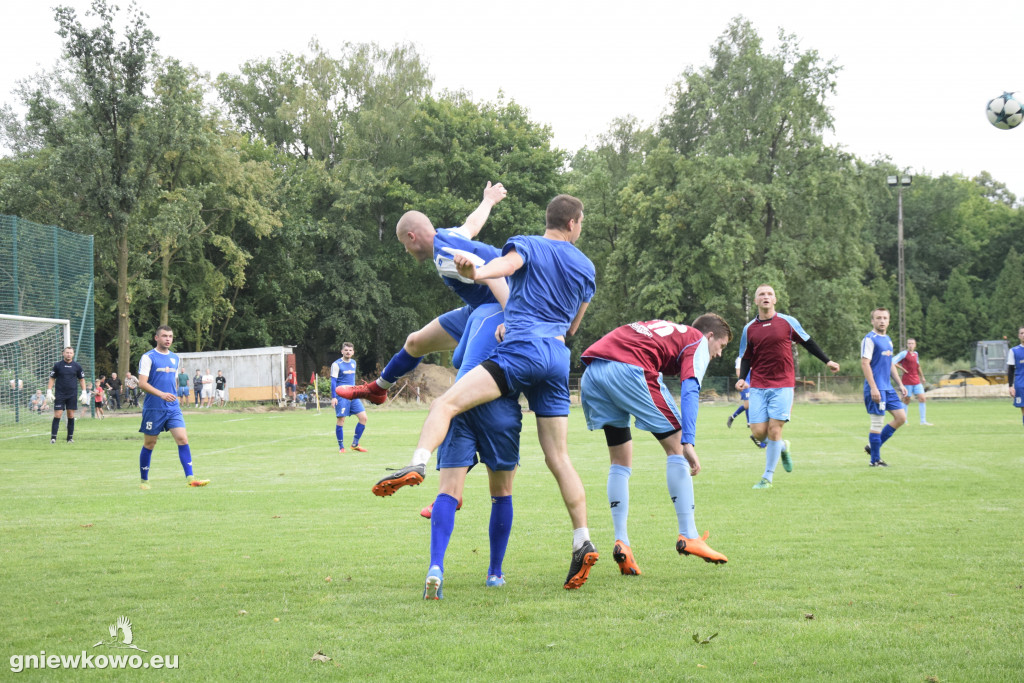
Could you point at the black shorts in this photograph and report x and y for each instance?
(65, 402)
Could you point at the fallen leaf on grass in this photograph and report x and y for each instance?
(320, 657)
(328, 579)
(697, 639)
(276, 517)
(932, 679)
(808, 616)
(85, 526)
(242, 612)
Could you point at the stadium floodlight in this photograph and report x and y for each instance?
(899, 182)
(28, 349)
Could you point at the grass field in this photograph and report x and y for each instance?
(841, 572)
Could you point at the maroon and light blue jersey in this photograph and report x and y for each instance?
(657, 346)
(768, 347)
(909, 361)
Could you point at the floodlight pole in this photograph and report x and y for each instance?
(899, 181)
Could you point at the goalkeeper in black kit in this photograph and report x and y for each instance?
(66, 377)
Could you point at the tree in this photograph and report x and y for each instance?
(1005, 312)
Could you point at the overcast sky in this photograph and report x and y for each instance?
(915, 81)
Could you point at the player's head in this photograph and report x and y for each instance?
(565, 214)
(880, 320)
(164, 337)
(68, 354)
(416, 233)
(911, 344)
(220, 373)
(347, 350)
(718, 332)
(1020, 334)
(764, 298)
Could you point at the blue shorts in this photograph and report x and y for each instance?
(890, 401)
(1018, 400)
(745, 394)
(769, 403)
(347, 407)
(477, 342)
(454, 322)
(539, 369)
(612, 391)
(914, 389)
(163, 420)
(65, 403)
(183, 391)
(491, 429)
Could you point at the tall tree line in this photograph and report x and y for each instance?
(258, 207)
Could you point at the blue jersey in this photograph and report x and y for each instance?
(66, 378)
(546, 293)
(878, 348)
(161, 371)
(473, 293)
(343, 374)
(1016, 358)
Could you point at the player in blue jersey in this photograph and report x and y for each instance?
(66, 376)
(490, 430)
(422, 241)
(879, 376)
(343, 373)
(161, 412)
(551, 283)
(1015, 372)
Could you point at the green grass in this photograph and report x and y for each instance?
(909, 572)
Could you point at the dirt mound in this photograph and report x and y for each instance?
(426, 383)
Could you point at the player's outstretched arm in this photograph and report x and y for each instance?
(475, 221)
(503, 266)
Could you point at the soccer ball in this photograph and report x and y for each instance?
(1006, 111)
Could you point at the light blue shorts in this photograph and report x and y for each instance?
(611, 392)
(775, 404)
(914, 389)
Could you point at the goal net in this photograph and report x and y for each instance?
(28, 349)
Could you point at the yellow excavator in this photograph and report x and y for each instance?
(989, 366)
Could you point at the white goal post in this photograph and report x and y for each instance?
(28, 349)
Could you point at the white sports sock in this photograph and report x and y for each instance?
(420, 456)
(579, 537)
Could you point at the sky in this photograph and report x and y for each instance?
(916, 75)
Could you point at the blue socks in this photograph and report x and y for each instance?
(680, 490)
(339, 432)
(887, 431)
(442, 523)
(145, 456)
(921, 411)
(499, 531)
(618, 499)
(400, 364)
(772, 453)
(359, 432)
(875, 442)
(739, 410)
(185, 456)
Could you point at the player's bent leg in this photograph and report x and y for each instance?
(474, 388)
(579, 568)
(552, 432)
(431, 338)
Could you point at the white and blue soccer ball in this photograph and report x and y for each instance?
(1006, 111)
